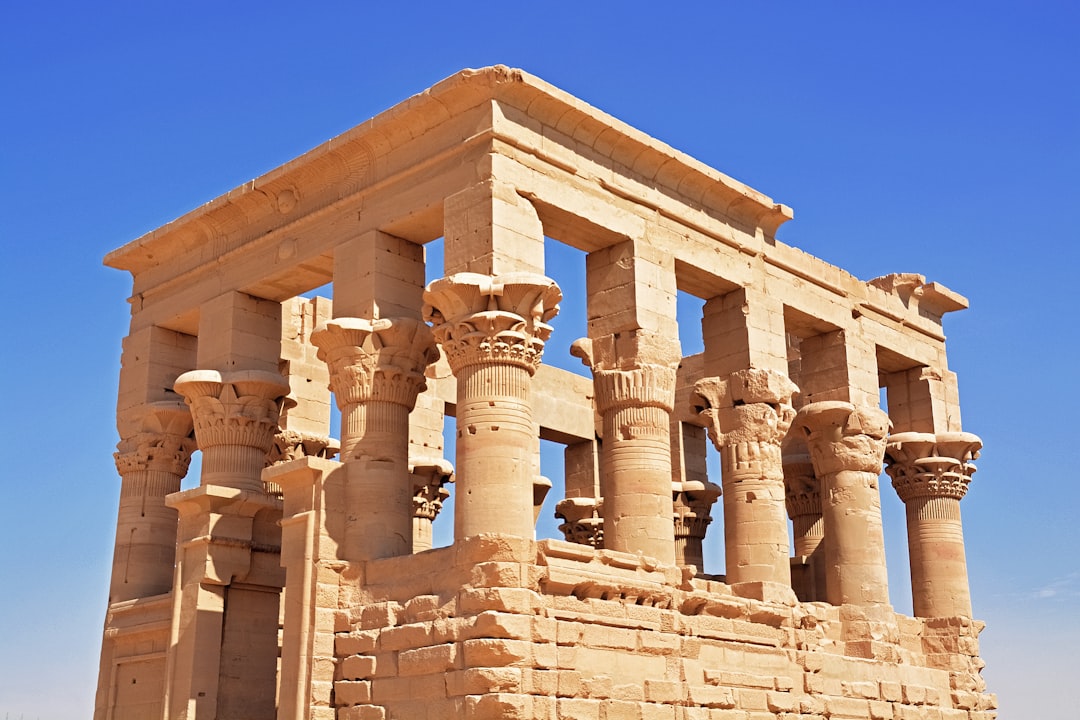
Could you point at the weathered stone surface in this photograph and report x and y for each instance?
(292, 586)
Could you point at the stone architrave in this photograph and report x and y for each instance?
(376, 372)
(634, 398)
(692, 502)
(492, 330)
(236, 417)
(803, 490)
(748, 414)
(931, 474)
(151, 465)
(847, 447)
(430, 476)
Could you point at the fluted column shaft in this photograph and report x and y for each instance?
(931, 474)
(847, 446)
(151, 465)
(236, 417)
(748, 414)
(635, 458)
(376, 371)
(492, 330)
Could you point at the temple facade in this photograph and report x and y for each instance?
(296, 579)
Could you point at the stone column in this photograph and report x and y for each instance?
(748, 414)
(236, 418)
(847, 446)
(692, 501)
(376, 371)
(804, 508)
(931, 474)
(492, 329)
(429, 480)
(151, 465)
(635, 404)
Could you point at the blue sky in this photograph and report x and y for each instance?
(939, 138)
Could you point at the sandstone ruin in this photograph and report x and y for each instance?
(298, 579)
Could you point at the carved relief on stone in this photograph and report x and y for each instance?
(928, 465)
(802, 486)
(379, 360)
(293, 445)
(430, 477)
(240, 408)
(164, 444)
(842, 436)
(583, 521)
(747, 415)
(502, 319)
(693, 501)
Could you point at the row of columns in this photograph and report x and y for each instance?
(492, 326)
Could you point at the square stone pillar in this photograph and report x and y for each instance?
(228, 578)
(312, 529)
(923, 400)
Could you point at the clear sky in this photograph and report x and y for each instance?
(939, 138)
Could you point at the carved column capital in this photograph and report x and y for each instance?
(239, 408)
(583, 521)
(430, 477)
(293, 445)
(164, 444)
(692, 502)
(802, 486)
(484, 319)
(747, 414)
(844, 437)
(376, 360)
(926, 465)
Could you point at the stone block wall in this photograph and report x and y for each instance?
(497, 627)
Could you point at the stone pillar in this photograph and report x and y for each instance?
(804, 508)
(635, 405)
(151, 465)
(748, 413)
(492, 330)
(847, 446)
(227, 591)
(376, 370)
(235, 415)
(429, 480)
(692, 501)
(931, 474)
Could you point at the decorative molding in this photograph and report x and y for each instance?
(843, 437)
(430, 476)
(376, 360)
(923, 465)
(239, 408)
(164, 444)
(583, 520)
(747, 415)
(484, 319)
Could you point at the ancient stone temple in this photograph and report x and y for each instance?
(296, 578)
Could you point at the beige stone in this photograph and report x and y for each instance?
(298, 581)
